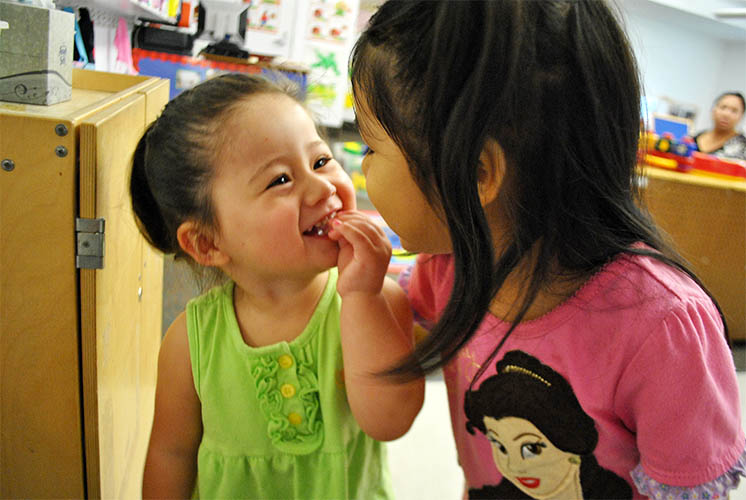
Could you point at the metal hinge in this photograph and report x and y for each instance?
(90, 243)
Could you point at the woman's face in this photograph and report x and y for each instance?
(530, 461)
(727, 112)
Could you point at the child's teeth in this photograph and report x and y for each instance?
(320, 229)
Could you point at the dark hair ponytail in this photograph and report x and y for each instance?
(147, 214)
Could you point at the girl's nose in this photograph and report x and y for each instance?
(319, 189)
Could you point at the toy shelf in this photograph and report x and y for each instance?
(167, 12)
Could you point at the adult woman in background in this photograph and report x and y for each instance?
(723, 139)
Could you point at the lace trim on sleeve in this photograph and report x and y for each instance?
(404, 277)
(424, 325)
(715, 489)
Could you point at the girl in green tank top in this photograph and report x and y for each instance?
(269, 385)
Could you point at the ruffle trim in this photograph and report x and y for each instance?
(404, 279)
(301, 437)
(713, 490)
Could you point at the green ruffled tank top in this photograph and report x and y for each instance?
(276, 422)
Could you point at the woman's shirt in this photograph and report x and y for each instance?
(643, 350)
(735, 147)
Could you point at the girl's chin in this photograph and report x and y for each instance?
(329, 258)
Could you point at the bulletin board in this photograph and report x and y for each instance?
(185, 72)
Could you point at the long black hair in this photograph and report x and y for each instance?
(555, 83)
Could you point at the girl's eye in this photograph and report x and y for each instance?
(321, 162)
(282, 179)
(531, 450)
(368, 151)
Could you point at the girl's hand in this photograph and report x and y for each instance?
(364, 253)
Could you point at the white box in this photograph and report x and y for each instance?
(36, 54)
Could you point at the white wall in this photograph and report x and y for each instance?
(733, 72)
(683, 57)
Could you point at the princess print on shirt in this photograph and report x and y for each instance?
(542, 440)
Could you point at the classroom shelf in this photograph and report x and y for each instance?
(128, 8)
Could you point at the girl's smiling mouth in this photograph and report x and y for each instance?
(322, 227)
(529, 482)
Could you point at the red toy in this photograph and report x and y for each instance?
(668, 153)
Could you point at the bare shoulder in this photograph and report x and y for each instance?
(176, 340)
(174, 360)
(177, 406)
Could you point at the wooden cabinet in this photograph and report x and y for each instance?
(78, 346)
(706, 219)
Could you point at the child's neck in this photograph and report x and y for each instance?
(508, 301)
(278, 311)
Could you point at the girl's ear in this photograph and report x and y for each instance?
(200, 245)
(491, 171)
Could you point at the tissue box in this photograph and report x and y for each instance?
(36, 54)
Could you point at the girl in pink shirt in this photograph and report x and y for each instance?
(582, 358)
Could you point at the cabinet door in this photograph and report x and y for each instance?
(120, 304)
(40, 420)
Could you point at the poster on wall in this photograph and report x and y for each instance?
(329, 35)
(270, 25)
(327, 84)
(331, 21)
(264, 15)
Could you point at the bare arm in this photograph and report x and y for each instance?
(171, 463)
(376, 323)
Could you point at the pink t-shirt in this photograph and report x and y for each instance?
(638, 352)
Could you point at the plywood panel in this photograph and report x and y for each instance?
(119, 344)
(40, 417)
(151, 303)
(111, 83)
(92, 92)
(156, 97)
(67, 110)
(706, 219)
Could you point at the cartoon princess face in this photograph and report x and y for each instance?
(530, 461)
(542, 440)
